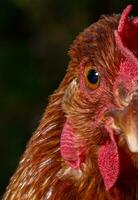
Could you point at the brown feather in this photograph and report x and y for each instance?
(42, 173)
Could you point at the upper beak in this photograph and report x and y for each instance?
(127, 121)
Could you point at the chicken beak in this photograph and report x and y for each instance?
(126, 120)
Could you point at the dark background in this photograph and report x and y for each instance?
(34, 39)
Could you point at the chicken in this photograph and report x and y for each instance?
(86, 146)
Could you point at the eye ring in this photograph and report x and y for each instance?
(92, 78)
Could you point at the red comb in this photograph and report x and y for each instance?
(124, 18)
(126, 36)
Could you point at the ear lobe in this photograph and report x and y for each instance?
(71, 151)
(108, 160)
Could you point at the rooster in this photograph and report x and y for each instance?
(86, 146)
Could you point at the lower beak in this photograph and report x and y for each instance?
(127, 121)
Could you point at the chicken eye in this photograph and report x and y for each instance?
(92, 78)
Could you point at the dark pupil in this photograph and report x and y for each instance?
(93, 76)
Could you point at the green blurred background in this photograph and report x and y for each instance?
(34, 39)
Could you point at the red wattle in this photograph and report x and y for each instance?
(108, 161)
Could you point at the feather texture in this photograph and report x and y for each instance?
(61, 158)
